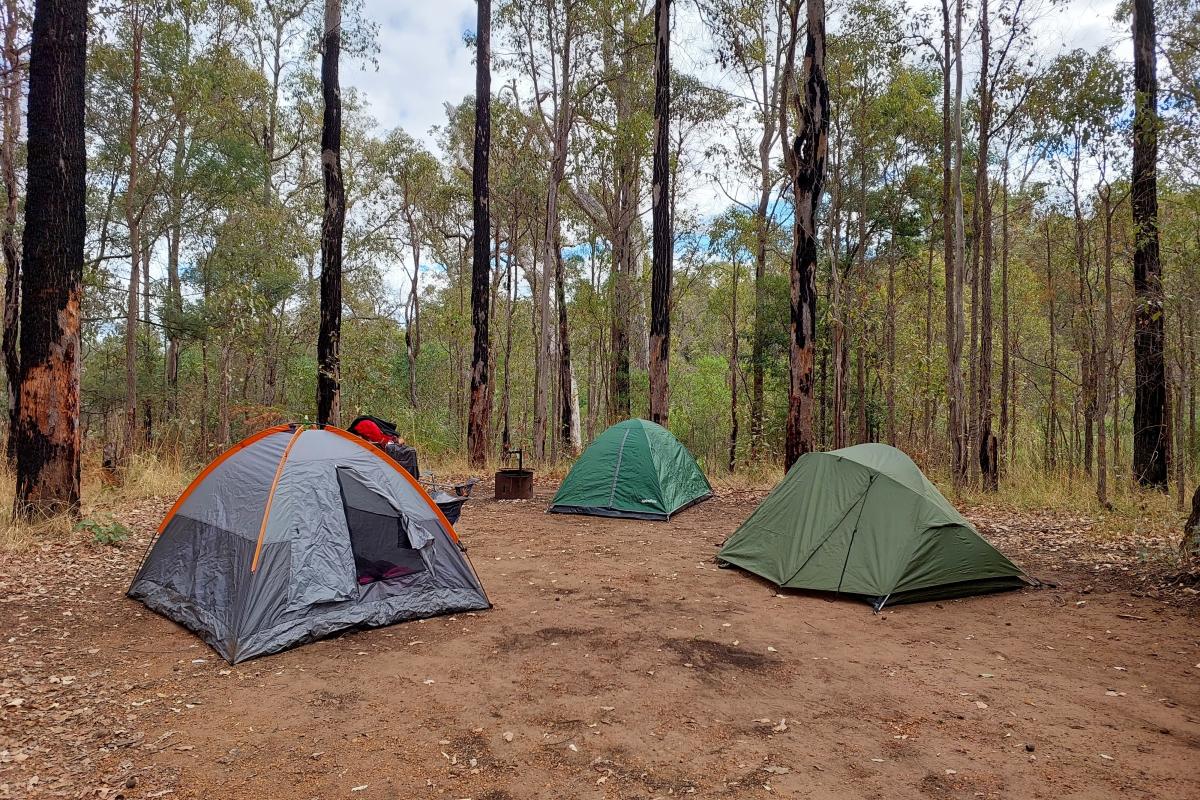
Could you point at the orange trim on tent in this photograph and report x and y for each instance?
(244, 443)
(412, 481)
(262, 530)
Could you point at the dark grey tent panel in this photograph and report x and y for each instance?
(296, 534)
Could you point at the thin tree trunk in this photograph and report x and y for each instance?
(479, 419)
(1052, 404)
(332, 224)
(568, 399)
(1005, 354)
(1104, 356)
(927, 395)
(890, 347)
(14, 82)
(1151, 447)
(663, 256)
(733, 370)
(412, 307)
(133, 223)
(989, 447)
(47, 431)
(958, 423)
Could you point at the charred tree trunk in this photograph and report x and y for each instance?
(1151, 447)
(810, 147)
(479, 419)
(989, 446)
(663, 239)
(733, 370)
(332, 224)
(1104, 357)
(568, 398)
(47, 431)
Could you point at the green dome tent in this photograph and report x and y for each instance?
(864, 521)
(635, 469)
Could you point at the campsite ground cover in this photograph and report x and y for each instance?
(618, 662)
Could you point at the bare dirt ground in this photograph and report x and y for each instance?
(618, 662)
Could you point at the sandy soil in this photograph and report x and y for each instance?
(618, 662)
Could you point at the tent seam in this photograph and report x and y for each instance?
(262, 530)
(833, 528)
(612, 494)
(853, 533)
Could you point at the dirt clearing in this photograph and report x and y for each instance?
(618, 662)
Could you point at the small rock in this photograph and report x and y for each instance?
(508, 736)
(1029, 747)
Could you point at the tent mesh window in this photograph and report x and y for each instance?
(378, 533)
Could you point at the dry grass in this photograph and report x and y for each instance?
(148, 475)
(1131, 510)
(163, 474)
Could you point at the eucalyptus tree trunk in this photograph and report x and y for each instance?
(133, 216)
(47, 430)
(1052, 402)
(989, 446)
(568, 394)
(479, 418)
(1006, 453)
(11, 108)
(660, 292)
(733, 370)
(1151, 445)
(412, 306)
(810, 148)
(1104, 356)
(332, 224)
(953, 236)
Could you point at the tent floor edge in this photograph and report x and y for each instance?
(612, 513)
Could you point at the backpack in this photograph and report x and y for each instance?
(387, 428)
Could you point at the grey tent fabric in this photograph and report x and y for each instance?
(298, 533)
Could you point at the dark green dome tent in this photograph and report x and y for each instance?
(864, 521)
(635, 469)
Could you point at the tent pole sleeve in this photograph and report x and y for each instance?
(612, 494)
(262, 529)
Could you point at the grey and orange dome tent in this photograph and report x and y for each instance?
(297, 533)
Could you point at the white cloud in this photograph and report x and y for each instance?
(423, 62)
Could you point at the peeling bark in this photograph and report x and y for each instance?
(47, 431)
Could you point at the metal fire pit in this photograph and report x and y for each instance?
(514, 483)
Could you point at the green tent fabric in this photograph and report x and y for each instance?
(635, 469)
(865, 521)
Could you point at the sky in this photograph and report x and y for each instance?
(423, 62)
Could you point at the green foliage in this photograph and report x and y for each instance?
(104, 531)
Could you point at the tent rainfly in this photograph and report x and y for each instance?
(297, 533)
(865, 521)
(635, 469)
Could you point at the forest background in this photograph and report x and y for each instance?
(204, 207)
